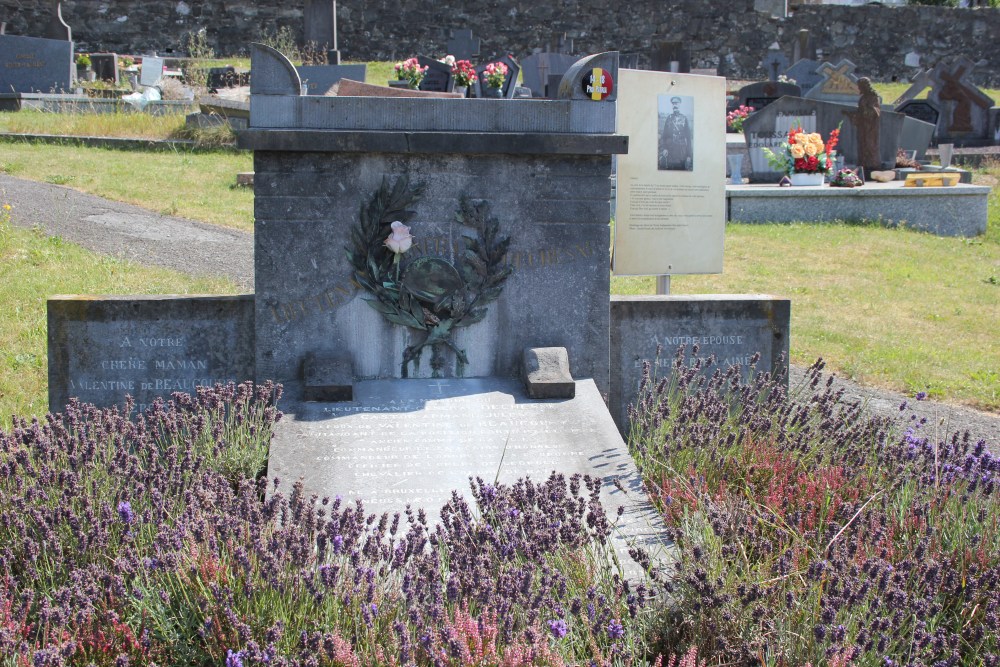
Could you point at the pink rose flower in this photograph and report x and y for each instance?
(399, 241)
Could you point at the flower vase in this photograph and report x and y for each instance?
(461, 90)
(807, 179)
(735, 169)
(491, 91)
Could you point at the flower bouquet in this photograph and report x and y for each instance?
(805, 154)
(464, 73)
(494, 75)
(411, 72)
(735, 118)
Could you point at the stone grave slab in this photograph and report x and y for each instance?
(995, 125)
(920, 82)
(964, 108)
(319, 79)
(35, 65)
(539, 67)
(463, 45)
(437, 78)
(838, 83)
(105, 66)
(769, 128)
(759, 95)
(320, 23)
(804, 73)
(57, 28)
(102, 348)
(732, 327)
(917, 135)
(413, 442)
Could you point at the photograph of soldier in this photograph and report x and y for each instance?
(675, 151)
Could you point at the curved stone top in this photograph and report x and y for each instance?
(571, 86)
(272, 72)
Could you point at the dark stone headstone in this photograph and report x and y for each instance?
(102, 348)
(272, 73)
(759, 95)
(671, 57)
(412, 442)
(320, 20)
(917, 135)
(437, 78)
(731, 327)
(775, 63)
(538, 67)
(965, 109)
(837, 84)
(995, 125)
(769, 128)
(920, 82)
(35, 65)
(463, 45)
(319, 79)
(924, 110)
(57, 27)
(105, 66)
(510, 82)
(804, 73)
(804, 48)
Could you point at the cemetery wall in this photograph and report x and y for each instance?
(729, 36)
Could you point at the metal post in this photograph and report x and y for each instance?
(663, 284)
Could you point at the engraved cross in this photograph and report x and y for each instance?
(439, 385)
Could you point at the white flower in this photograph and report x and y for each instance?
(399, 241)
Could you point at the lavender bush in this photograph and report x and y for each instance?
(153, 542)
(809, 532)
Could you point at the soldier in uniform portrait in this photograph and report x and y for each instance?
(675, 150)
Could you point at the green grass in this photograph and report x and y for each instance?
(198, 185)
(890, 91)
(33, 267)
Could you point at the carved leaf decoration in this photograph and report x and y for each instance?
(474, 316)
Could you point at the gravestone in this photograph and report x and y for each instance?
(105, 66)
(917, 135)
(803, 72)
(924, 110)
(152, 71)
(921, 81)
(671, 57)
(510, 81)
(58, 28)
(803, 48)
(630, 60)
(222, 77)
(995, 125)
(759, 95)
(102, 348)
(320, 22)
(538, 69)
(437, 78)
(769, 128)
(775, 63)
(732, 327)
(35, 65)
(964, 108)
(319, 79)
(463, 45)
(838, 83)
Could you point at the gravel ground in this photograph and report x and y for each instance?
(197, 248)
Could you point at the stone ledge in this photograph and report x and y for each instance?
(342, 141)
(959, 210)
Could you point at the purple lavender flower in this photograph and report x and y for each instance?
(921, 395)
(234, 659)
(558, 628)
(615, 629)
(125, 513)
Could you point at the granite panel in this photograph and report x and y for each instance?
(35, 65)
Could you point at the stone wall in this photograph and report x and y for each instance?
(729, 36)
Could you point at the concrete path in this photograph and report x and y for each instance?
(196, 248)
(133, 233)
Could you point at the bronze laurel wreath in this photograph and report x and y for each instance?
(481, 270)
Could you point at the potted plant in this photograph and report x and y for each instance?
(494, 77)
(464, 74)
(83, 71)
(804, 157)
(411, 72)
